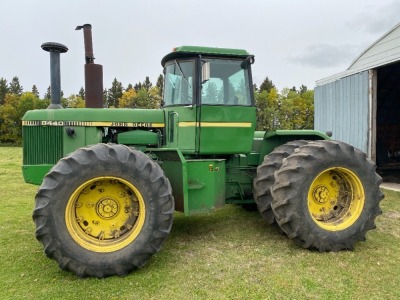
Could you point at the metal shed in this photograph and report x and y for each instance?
(361, 106)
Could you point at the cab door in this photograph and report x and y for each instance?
(226, 129)
(227, 117)
(181, 111)
(181, 129)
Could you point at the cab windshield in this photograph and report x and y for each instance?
(227, 84)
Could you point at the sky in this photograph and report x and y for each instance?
(294, 42)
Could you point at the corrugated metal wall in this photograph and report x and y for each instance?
(341, 106)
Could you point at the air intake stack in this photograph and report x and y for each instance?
(55, 78)
(93, 72)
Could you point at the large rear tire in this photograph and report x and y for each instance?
(326, 196)
(265, 177)
(103, 210)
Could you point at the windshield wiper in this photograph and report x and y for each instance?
(180, 70)
(184, 77)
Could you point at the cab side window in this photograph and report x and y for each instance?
(228, 84)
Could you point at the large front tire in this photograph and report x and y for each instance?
(103, 210)
(326, 196)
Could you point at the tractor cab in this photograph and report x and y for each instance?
(208, 100)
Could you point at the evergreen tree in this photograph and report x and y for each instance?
(47, 95)
(3, 90)
(267, 85)
(129, 87)
(114, 93)
(138, 87)
(35, 91)
(15, 87)
(302, 89)
(105, 97)
(147, 83)
(210, 94)
(255, 87)
(81, 93)
(160, 84)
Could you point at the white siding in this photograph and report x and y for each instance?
(384, 51)
(341, 106)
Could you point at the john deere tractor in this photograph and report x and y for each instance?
(110, 179)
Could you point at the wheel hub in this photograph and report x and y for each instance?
(107, 208)
(336, 199)
(321, 194)
(105, 214)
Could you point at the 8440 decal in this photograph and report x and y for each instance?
(92, 124)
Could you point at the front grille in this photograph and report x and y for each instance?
(42, 144)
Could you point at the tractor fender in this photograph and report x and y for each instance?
(266, 141)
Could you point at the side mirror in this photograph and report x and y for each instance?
(249, 61)
(205, 72)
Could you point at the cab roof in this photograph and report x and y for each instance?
(186, 51)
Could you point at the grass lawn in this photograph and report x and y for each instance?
(227, 254)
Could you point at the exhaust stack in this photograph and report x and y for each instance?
(55, 78)
(93, 72)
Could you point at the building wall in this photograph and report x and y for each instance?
(342, 107)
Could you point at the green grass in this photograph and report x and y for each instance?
(227, 254)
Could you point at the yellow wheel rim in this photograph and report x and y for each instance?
(105, 214)
(336, 199)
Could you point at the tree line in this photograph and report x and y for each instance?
(288, 109)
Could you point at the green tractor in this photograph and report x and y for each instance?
(111, 179)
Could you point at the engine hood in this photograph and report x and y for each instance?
(107, 117)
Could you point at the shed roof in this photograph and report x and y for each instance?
(382, 52)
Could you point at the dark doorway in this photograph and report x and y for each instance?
(388, 122)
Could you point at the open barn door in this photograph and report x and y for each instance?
(388, 120)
